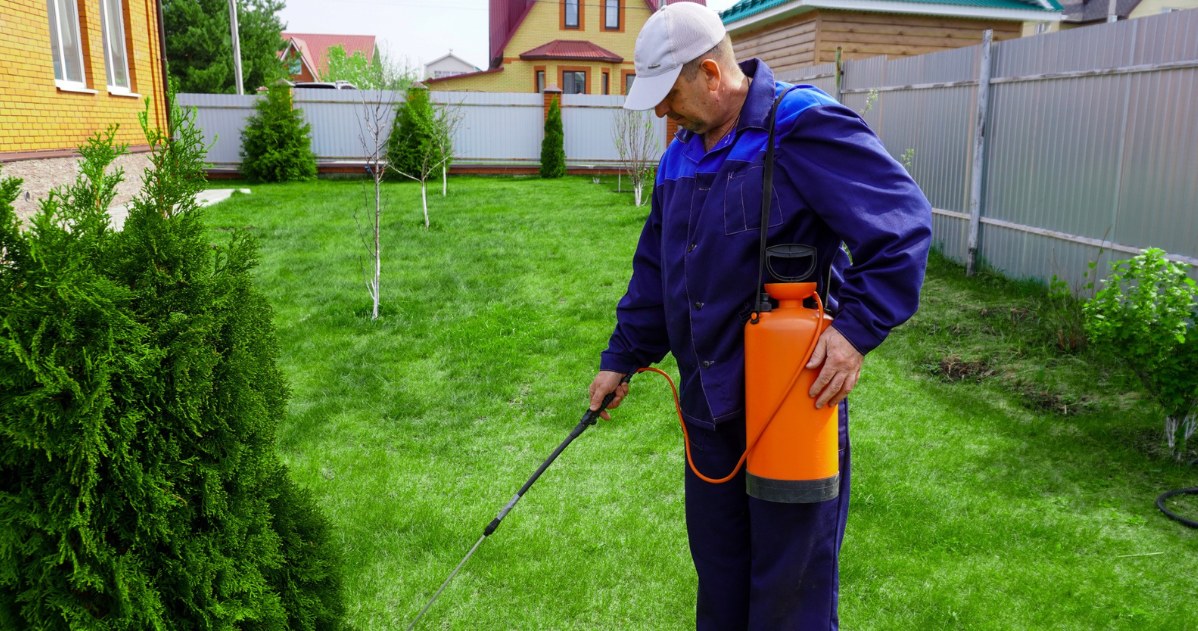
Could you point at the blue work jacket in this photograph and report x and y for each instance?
(696, 264)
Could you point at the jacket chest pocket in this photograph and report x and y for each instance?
(742, 201)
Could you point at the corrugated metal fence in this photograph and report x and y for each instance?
(1089, 146)
(495, 129)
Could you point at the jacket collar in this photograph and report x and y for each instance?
(761, 94)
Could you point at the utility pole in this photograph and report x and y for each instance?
(1112, 14)
(236, 46)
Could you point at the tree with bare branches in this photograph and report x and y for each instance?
(638, 146)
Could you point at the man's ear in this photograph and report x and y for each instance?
(711, 72)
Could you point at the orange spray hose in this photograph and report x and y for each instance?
(819, 330)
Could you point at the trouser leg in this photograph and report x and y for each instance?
(761, 565)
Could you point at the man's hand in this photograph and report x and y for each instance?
(841, 368)
(605, 382)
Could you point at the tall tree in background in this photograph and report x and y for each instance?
(379, 73)
(199, 48)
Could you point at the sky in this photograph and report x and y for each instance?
(413, 32)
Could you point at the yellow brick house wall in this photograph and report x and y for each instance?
(543, 25)
(36, 116)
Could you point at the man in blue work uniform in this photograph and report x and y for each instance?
(761, 565)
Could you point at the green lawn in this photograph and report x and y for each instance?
(1016, 493)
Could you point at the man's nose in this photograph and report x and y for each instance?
(661, 110)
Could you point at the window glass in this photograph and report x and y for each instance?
(574, 82)
(64, 29)
(572, 13)
(604, 82)
(628, 79)
(611, 14)
(540, 81)
(113, 22)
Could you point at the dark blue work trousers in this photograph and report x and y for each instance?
(762, 565)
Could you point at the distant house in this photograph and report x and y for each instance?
(448, 66)
(69, 69)
(579, 46)
(790, 34)
(307, 54)
(1086, 12)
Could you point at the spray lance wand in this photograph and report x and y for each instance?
(588, 419)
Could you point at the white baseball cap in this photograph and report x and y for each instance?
(674, 35)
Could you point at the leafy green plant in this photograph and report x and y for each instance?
(553, 147)
(275, 144)
(1146, 314)
(139, 397)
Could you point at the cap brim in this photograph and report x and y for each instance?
(647, 92)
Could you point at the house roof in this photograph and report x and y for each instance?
(571, 49)
(1096, 10)
(314, 47)
(461, 76)
(506, 16)
(749, 8)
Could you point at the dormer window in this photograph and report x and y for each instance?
(572, 14)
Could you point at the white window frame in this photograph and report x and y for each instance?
(57, 22)
(110, 64)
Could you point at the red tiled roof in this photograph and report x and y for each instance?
(572, 49)
(314, 47)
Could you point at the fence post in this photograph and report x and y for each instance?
(979, 153)
(839, 75)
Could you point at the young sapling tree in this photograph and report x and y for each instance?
(638, 146)
(412, 149)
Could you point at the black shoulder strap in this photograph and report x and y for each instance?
(767, 188)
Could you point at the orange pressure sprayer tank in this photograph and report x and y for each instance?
(796, 459)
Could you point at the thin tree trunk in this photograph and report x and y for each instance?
(444, 181)
(378, 254)
(637, 190)
(424, 200)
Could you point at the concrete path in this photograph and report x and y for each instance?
(118, 214)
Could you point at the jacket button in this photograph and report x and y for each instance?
(692, 248)
(707, 363)
(698, 305)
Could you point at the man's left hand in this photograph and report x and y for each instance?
(841, 368)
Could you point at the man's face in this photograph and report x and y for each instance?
(690, 103)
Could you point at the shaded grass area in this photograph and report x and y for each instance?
(999, 483)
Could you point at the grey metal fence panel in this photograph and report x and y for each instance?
(588, 121)
(1091, 137)
(341, 120)
(822, 76)
(221, 117)
(496, 129)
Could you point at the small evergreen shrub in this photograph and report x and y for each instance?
(275, 144)
(412, 150)
(139, 396)
(553, 147)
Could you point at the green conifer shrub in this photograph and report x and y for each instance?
(275, 144)
(412, 150)
(139, 396)
(553, 147)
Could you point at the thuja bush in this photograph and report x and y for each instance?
(275, 144)
(1146, 314)
(139, 396)
(412, 146)
(553, 147)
